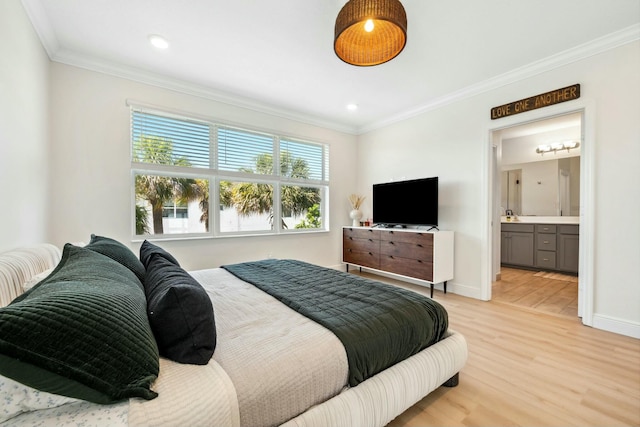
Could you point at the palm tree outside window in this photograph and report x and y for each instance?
(263, 183)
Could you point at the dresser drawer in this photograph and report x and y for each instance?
(546, 259)
(545, 228)
(360, 233)
(424, 239)
(521, 228)
(569, 229)
(365, 259)
(406, 250)
(362, 245)
(546, 242)
(407, 267)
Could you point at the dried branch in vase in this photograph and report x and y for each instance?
(356, 201)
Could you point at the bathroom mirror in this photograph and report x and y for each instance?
(541, 184)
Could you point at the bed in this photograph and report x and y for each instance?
(268, 364)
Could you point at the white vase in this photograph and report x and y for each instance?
(356, 216)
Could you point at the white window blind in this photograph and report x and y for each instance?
(243, 151)
(310, 154)
(169, 141)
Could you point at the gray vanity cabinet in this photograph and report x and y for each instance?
(550, 247)
(517, 244)
(568, 248)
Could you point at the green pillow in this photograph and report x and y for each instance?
(117, 252)
(82, 332)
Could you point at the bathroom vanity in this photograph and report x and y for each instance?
(541, 243)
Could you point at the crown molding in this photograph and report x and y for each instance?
(583, 51)
(50, 42)
(181, 86)
(42, 26)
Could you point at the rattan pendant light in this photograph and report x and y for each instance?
(370, 32)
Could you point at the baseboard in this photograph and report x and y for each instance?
(464, 290)
(615, 325)
(452, 287)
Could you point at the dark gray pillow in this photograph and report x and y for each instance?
(82, 332)
(148, 249)
(180, 313)
(118, 252)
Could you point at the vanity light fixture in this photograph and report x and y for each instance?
(370, 32)
(557, 146)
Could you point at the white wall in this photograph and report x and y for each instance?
(24, 102)
(90, 169)
(452, 142)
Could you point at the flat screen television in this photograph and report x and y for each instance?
(412, 202)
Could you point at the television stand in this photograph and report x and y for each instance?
(408, 253)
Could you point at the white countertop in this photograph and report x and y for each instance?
(542, 220)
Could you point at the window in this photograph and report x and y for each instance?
(261, 183)
(176, 209)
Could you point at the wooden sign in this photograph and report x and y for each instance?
(557, 96)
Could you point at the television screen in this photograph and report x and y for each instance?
(413, 202)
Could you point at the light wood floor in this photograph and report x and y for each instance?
(547, 292)
(529, 368)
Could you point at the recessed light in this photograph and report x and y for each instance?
(352, 107)
(158, 41)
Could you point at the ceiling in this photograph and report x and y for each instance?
(277, 56)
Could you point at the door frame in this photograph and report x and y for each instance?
(587, 192)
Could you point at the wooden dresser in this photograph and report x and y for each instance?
(417, 254)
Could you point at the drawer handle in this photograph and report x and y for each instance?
(419, 245)
(545, 259)
(370, 240)
(546, 242)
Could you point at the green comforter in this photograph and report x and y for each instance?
(378, 324)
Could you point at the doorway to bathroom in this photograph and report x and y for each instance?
(537, 186)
